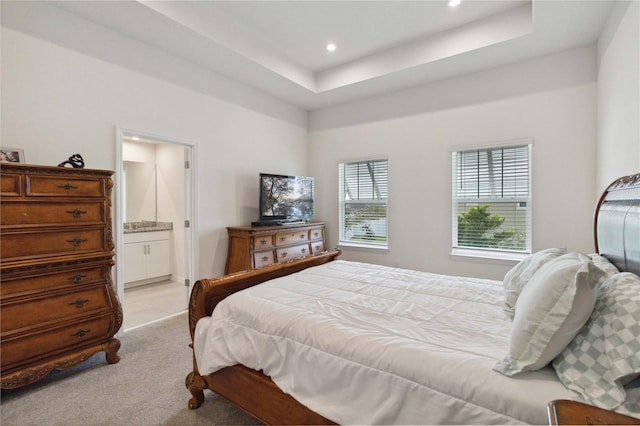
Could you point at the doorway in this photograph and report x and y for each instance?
(154, 189)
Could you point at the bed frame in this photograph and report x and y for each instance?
(250, 390)
(617, 237)
(617, 224)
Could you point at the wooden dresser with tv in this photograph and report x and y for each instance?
(57, 300)
(252, 247)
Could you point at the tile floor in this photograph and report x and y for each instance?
(153, 302)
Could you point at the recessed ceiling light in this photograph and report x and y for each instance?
(454, 3)
(331, 47)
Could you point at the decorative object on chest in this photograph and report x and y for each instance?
(252, 247)
(57, 300)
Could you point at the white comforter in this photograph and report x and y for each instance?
(367, 344)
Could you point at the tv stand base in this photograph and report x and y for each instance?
(283, 222)
(267, 223)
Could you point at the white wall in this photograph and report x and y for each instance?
(57, 101)
(551, 99)
(59, 98)
(619, 94)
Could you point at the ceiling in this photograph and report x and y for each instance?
(382, 46)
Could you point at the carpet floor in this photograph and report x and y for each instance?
(145, 388)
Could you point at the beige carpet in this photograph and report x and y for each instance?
(145, 388)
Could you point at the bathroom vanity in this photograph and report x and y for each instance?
(147, 253)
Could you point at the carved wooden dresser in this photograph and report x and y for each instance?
(57, 300)
(252, 247)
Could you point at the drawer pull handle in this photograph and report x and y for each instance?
(304, 250)
(80, 333)
(283, 238)
(315, 234)
(67, 186)
(265, 258)
(77, 278)
(77, 241)
(302, 236)
(284, 254)
(79, 303)
(76, 213)
(263, 242)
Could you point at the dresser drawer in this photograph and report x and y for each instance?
(262, 241)
(293, 252)
(286, 238)
(263, 258)
(17, 315)
(64, 186)
(317, 247)
(316, 233)
(14, 285)
(28, 348)
(26, 213)
(10, 185)
(52, 243)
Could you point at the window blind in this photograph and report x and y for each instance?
(491, 198)
(363, 196)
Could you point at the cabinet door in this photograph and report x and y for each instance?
(158, 258)
(135, 265)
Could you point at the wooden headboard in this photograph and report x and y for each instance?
(617, 224)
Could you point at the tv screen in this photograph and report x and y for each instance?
(285, 197)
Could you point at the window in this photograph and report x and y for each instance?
(492, 200)
(363, 192)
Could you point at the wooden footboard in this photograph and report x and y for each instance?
(258, 395)
(207, 293)
(248, 389)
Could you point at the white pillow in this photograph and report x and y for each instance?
(550, 311)
(515, 280)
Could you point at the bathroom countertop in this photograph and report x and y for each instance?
(147, 226)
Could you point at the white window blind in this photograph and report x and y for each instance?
(491, 199)
(363, 192)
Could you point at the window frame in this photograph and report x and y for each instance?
(484, 252)
(342, 241)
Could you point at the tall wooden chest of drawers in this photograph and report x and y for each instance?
(57, 299)
(252, 247)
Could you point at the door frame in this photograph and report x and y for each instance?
(190, 209)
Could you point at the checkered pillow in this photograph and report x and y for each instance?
(606, 352)
(604, 264)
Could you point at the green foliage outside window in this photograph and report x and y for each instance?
(480, 228)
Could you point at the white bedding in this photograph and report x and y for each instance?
(368, 344)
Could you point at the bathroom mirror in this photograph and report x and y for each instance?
(140, 191)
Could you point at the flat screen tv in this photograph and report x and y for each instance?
(285, 199)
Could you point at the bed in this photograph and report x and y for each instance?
(324, 341)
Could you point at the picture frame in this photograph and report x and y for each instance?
(11, 155)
